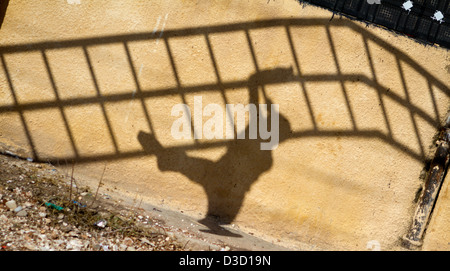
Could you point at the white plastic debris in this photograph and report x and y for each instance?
(408, 5)
(373, 245)
(101, 223)
(371, 2)
(18, 209)
(438, 16)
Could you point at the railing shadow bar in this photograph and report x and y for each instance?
(19, 111)
(101, 99)
(299, 73)
(230, 86)
(58, 100)
(138, 87)
(215, 144)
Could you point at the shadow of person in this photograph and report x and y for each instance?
(227, 180)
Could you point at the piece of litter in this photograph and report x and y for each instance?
(18, 209)
(407, 5)
(101, 223)
(49, 204)
(79, 204)
(10, 153)
(438, 16)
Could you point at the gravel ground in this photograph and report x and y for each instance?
(40, 212)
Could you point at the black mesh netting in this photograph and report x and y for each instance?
(424, 20)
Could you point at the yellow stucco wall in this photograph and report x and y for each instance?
(359, 107)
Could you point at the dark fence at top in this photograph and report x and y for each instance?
(425, 20)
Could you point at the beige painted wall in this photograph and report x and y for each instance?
(359, 107)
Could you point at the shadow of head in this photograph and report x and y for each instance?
(149, 143)
(271, 76)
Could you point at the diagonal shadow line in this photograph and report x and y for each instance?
(58, 100)
(302, 83)
(138, 87)
(255, 60)
(179, 89)
(101, 99)
(374, 76)
(338, 68)
(219, 79)
(433, 99)
(20, 111)
(411, 113)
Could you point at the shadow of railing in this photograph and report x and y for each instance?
(221, 86)
(287, 24)
(3, 7)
